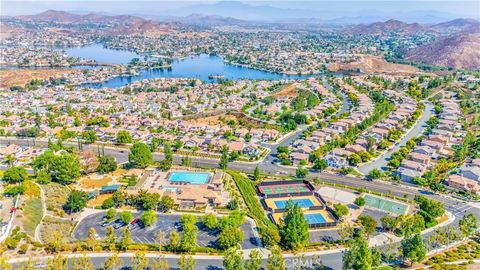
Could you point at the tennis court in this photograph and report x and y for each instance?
(284, 189)
(312, 217)
(386, 205)
(303, 203)
(315, 218)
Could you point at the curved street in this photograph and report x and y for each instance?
(382, 161)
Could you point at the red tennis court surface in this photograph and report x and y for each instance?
(284, 189)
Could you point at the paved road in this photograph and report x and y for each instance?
(333, 260)
(418, 128)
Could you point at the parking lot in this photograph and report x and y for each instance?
(165, 223)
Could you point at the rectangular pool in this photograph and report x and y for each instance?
(194, 178)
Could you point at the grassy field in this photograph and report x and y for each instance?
(55, 195)
(51, 225)
(32, 215)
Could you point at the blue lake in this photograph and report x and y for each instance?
(199, 66)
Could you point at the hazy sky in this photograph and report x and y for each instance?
(469, 8)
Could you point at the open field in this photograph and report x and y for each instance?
(94, 183)
(288, 91)
(98, 200)
(223, 119)
(374, 64)
(12, 77)
(54, 227)
(31, 215)
(55, 196)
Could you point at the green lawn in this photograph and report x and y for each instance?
(32, 215)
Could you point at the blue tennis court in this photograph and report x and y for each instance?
(315, 218)
(303, 203)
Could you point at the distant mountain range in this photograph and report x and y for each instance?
(458, 46)
(460, 50)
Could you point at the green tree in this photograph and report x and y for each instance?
(58, 262)
(76, 201)
(358, 256)
(43, 177)
(270, 235)
(346, 231)
(174, 240)
(166, 203)
(210, 221)
(294, 231)
(256, 173)
(139, 261)
(82, 263)
(468, 224)
(340, 209)
(111, 238)
(374, 174)
(412, 249)
(190, 230)
(123, 137)
(232, 259)
(360, 201)
(354, 159)
(301, 172)
(275, 260)
(149, 217)
(106, 164)
(186, 262)
(113, 263)
(65, 168)
(89, 136)
(230, 237)
(255, 260)
(91, 241)
(186, 161)
(15, 174)
(140, 155)
(224, 158)
(320, 164)
(111, 214)
(126, 238)
(126, 216)
(369, 225)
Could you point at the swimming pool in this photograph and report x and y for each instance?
(303, 203)
(315, 218)
(194, 178)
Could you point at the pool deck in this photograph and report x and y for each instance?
(270, 202)
(277, 217)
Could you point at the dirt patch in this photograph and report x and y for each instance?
(223, 119)
(17, 77)
(288, 91)
(374, 64)
(98, 200)
(89, 183)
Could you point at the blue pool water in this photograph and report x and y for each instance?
(189, 177)
(303, 203)
(315, 218)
